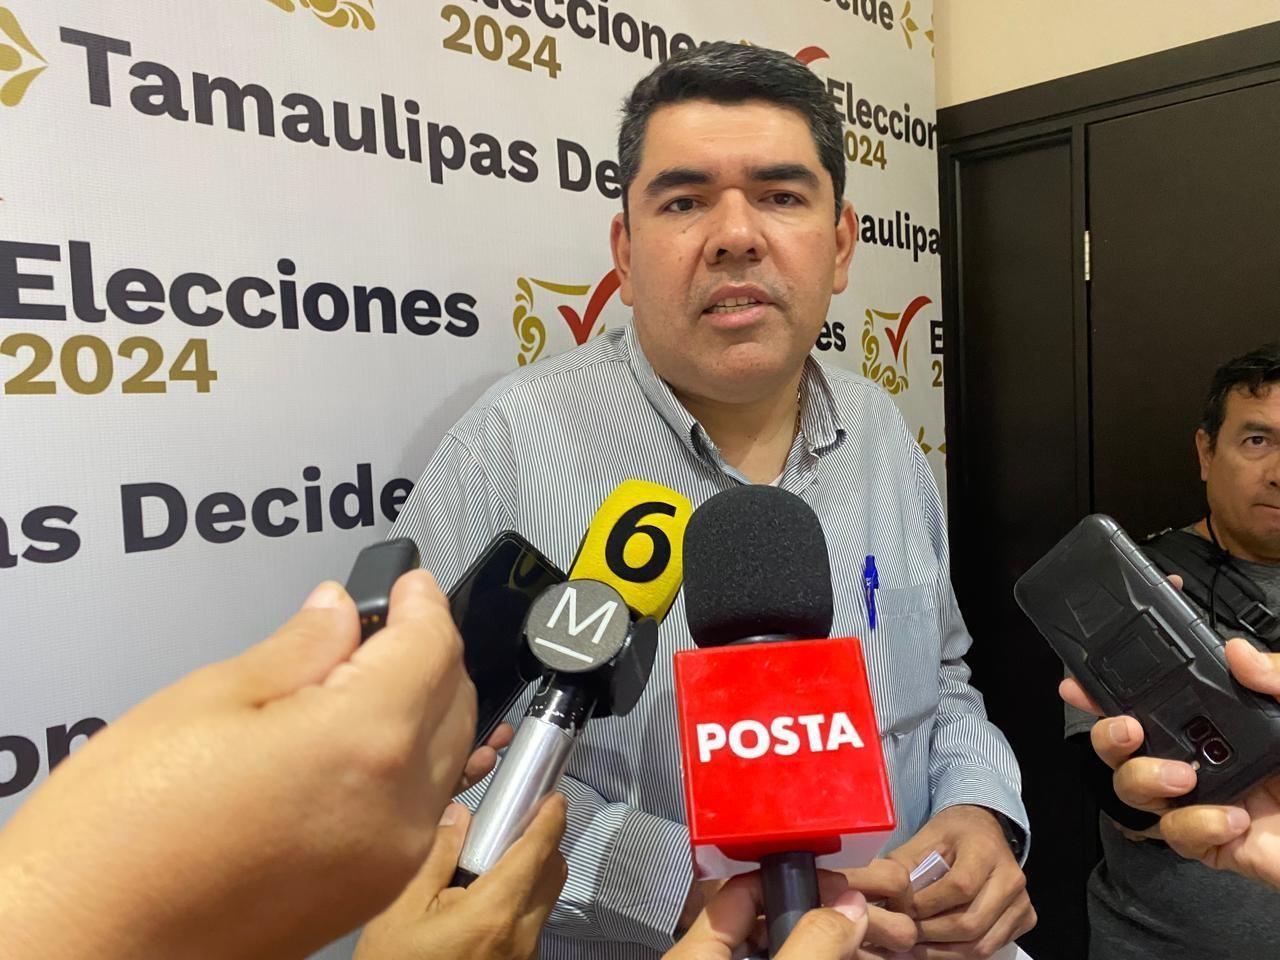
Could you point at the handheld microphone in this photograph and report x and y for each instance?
(778, 735)
(595, 636)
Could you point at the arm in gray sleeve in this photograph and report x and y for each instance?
(453, 511)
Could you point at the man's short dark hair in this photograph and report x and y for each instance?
(732, 73)
(1254, 372)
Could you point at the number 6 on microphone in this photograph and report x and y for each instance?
(638, 533)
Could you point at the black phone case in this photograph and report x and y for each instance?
(1138, 646)
(529, 554)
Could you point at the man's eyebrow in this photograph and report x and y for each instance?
(690, 176)
(794, 172)
(676, 177)
(1257, 426)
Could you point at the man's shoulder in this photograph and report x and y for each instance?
(858, 398)
(603, 357)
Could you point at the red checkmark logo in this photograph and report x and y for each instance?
(810, 54)
(914, 307)
(580, 326)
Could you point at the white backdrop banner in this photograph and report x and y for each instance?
(257, 255)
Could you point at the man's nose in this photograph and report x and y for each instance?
(734, 231)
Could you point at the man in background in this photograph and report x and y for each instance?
(1145, 900)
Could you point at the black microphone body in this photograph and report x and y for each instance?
(756, 571)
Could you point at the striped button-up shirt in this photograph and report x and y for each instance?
(543, 448)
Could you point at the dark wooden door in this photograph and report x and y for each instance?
(1184, 218)
(1015, 488)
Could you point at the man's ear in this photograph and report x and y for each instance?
(620, 247)
(1204, 449)
(846, 240)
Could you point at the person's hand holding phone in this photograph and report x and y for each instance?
(1243, 837)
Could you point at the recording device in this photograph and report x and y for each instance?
(375, 572)
(778, 736)
(1138, 646)
(594, 638)
(489, 604)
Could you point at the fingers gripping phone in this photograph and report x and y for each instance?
(1138, 646)
(489, 603)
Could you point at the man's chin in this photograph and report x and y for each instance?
(746, 383)
(1265, 535)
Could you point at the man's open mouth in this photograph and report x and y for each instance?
(732, 305)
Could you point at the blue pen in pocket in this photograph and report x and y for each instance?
(870, 584)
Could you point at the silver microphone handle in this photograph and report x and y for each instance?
(530, 770)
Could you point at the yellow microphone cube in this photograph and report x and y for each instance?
(635, 544)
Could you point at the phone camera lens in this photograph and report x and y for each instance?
(1199, 730)
(1216, 751)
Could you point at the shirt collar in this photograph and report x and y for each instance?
(819, 419)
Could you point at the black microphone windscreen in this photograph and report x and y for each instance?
(755, 564)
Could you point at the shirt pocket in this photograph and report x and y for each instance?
(904, 659)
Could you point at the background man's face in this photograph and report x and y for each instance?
(1242, 473)
(731, 202)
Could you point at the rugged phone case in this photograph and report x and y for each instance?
(1138, 646)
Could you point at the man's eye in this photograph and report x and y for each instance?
(1257, 440)
(681, 205)
(786, 200)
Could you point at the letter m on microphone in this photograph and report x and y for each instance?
(563, 630)
(781, 753)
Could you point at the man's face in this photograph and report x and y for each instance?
(734, 251)
(1242, 473)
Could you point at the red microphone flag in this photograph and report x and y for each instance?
(781, 753)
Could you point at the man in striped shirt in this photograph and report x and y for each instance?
(733, 237)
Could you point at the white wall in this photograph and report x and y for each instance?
(987, 47)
